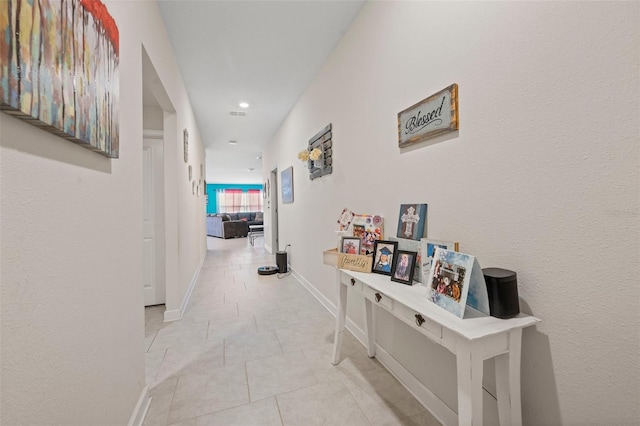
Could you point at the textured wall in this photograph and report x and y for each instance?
(72, 317)
(542, 178)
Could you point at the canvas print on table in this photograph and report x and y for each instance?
(60, 65)
(412, 221)
(449, 280)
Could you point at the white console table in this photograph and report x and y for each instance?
(472, 340)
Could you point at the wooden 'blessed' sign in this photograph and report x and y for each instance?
(430, 117)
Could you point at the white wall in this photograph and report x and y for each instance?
(72, 308)
(542, 178)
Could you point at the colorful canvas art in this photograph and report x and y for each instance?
(59, 69)
(412, 221)
(369, 229)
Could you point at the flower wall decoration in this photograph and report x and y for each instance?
(315, 154)
(303, 155)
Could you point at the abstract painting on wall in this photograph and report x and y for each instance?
(59, 69)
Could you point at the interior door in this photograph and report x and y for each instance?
(152, 280)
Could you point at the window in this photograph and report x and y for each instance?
(235, 200)
(254, 200)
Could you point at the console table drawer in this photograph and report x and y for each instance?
(377, 297)
(351, 282)
(424, 325)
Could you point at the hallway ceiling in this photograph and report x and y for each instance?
(265, 53)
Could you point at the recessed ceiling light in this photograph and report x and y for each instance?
(233, 142)
(259, 157)
(251, 169)
(243, 105)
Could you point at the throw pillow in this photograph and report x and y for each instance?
(225, 218)
(244, 219)
(259, 216)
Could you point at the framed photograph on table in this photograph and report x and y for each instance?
(383, 256)
(350, 245)
(403, 266)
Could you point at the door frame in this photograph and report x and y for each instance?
(273, 199)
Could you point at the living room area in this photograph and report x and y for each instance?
(235, 211)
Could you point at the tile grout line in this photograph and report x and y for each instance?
(279, 411)
(246, 375)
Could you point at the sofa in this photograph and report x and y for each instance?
(232, 225)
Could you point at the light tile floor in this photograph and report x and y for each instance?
(256, 350)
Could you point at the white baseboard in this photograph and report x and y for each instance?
(436, 407)
(141, 408)
(424, 396)
(314, 292)
(176, 314)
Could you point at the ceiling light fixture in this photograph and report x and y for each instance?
(259, 157)
(251, 169)
(243, 105)
(233, 142)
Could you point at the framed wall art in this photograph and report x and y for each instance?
(286, 185)
(60, 70)
(430, 117)
(185, 144)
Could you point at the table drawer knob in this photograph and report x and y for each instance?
(378, 297)
(419, 320)
(353, 281)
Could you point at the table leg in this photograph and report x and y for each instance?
(470, 370)
(508, 381)
(371, 341)
(340, 318)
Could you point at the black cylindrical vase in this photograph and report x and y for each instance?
(281, 262)
(502, 287)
